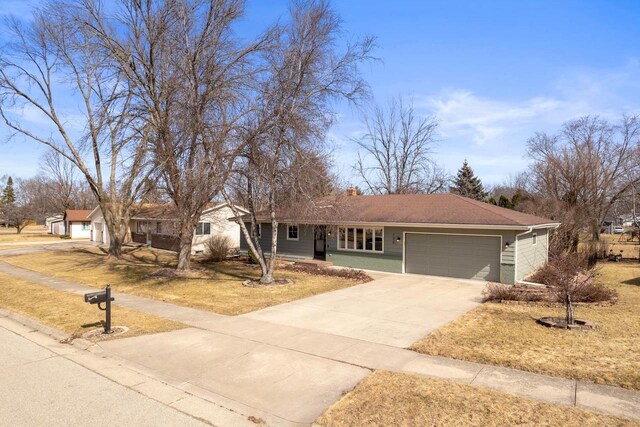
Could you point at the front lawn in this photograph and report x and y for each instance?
(507, 335)
(396, 399)
(31, 233)
(215, 287)
(67, 312)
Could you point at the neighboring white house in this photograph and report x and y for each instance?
(55, 224)
(77, 224)
(51, 220)
(155, 224)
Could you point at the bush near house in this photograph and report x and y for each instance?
(218, 248)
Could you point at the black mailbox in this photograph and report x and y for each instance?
(102, 297)
(95, 297)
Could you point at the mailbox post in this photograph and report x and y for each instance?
(99, 298)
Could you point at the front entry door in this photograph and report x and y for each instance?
(320, 242)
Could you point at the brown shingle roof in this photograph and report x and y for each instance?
(76, 215)
(409, 209)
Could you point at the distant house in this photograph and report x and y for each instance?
(629, 221)
(55, 224)
(77, 223)
(155, 224)
(436, 234)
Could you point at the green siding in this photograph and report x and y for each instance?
(301, 248)
(365, 261)
(507, 273)
(530, 256)
(390, 260)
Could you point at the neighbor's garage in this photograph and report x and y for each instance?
(465, 257)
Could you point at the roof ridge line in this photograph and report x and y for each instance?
(481, 206)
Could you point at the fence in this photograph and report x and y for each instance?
(165, 241)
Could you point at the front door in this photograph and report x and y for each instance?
(320, 242)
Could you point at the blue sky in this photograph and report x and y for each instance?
(492, 72)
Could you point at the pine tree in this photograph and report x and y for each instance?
(467, 184)
(504, 202)
(8, 195)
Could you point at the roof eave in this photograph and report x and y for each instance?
(424, 224)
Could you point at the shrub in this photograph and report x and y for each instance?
(218, 248)
(502, 292)
(569, 272)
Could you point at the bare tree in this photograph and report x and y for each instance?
(397, 149)
(303, 76)
(57, 54)
(189, 74)
(579, 173)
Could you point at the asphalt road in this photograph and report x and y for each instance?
(38, 387)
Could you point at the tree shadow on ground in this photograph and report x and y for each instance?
(635, 281)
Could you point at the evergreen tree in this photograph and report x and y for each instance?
(504, 202)
(517, 198)
(8, 195)
(492, 201)
(467, 184)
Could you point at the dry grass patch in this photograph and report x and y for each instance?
(215, 287)
(67, 312)
(507, 335)
(628, 249)
(29, 233)
(395, 399)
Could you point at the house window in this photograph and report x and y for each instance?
(203, 229)
(158, 227)
(292, 232)
(142, 227)
(361, 239)
(258, 230)
(86, 226)
(534, 238)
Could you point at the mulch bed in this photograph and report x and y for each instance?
(345, 273)
(561, 323)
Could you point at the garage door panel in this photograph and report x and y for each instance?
(468, 257)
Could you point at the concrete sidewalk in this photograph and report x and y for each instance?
(42, 246)
(262, 340)
(43, 385)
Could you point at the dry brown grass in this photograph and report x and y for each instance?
(67, 312)
(8, 247)
(395, 399)
(218, 287)
(507, 335)
(628, 249)
(29, 233)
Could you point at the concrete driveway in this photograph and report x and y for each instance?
(394, 309)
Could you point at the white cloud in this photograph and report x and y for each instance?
(492, 132)
(464, 114)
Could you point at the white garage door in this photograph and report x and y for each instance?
(465, 257)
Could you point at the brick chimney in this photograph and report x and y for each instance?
(351, 191)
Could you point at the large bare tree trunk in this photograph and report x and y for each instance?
(118, 226)
(185, 237)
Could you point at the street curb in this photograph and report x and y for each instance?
(91, 356)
